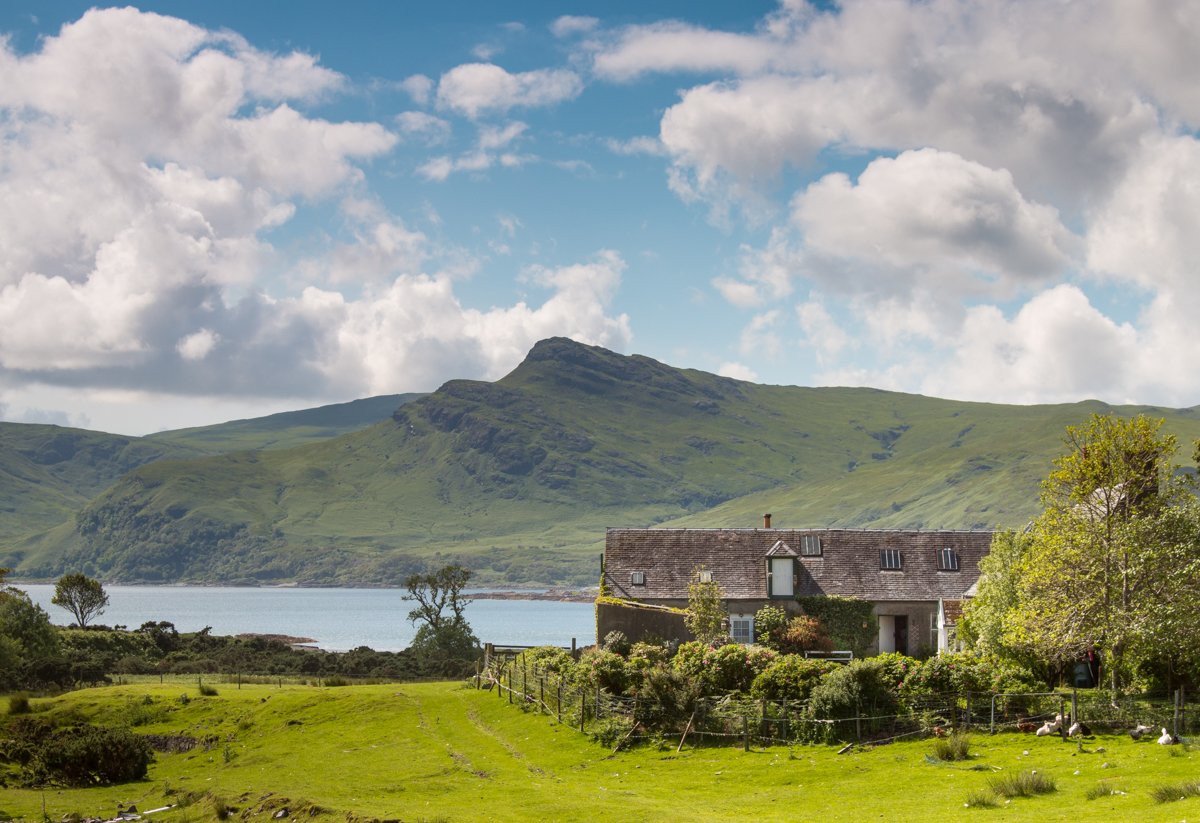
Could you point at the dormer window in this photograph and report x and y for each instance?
(890, 560)
(810, 546)
(637, 578)
(781, 581)
(947, 560)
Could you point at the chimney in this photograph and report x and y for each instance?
(766, 521)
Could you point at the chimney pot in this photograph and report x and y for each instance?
(766, 521)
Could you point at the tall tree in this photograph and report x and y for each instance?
(986, 615)
(1113, 560)
(705, 616)
(82, 596)
(444, 640)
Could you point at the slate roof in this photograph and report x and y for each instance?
(849, 564)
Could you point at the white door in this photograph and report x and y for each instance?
(887, 633)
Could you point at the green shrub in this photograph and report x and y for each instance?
(982, 799)
(732, 668)
(609, 731)
(790, 677)
(769, 623)
(655, 654)
(947, 674)
(804, 634)
(333, 682)
(856, 690)
(1102, 790)
(604, 669)
(689, 659)
(896, 667)
(666, 699)
(83, 755)
(1021, 784)
(616, 642)
(207, 690)
(550, 659)
(19, 704)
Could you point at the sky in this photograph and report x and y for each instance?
(220, 210)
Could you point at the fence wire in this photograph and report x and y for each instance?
(738, 719)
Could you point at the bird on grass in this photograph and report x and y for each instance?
(1137, 731)
(1167, 739)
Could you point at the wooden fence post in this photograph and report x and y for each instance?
(745, 733)
(560, 701)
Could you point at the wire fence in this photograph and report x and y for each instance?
(735, 719)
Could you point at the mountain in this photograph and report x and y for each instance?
(292, 428)
(48, 473)
(518, 478)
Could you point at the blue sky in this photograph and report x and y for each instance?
(219, 210)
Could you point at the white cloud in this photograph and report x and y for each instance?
(426, 127)
(419, 88)
(569, 25)
(196, 346)
(651, 146)
(673, 46)
(474, 89)
(928, 210)
(143, 162)
(738, 371)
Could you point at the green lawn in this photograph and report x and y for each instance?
(444, 752)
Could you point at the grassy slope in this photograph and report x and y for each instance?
(521, 476)
(443, 752)
(47, 473)
(286, 429)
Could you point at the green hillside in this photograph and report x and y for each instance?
(286, 429)
(519, 478)
(49, 473)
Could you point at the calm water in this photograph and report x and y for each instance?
(338, 619)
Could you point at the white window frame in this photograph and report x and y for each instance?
(741, 628)
(637, 578)
(947, 560)
(705, 576)
(886, 556)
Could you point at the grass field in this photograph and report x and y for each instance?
(443, 752)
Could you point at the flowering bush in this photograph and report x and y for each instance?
(689, 659)
(790, 677)
(732, 668)
(604, 669)
(896, 667)
(859, 689)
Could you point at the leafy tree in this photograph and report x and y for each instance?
(444, 641)
(1113, 563)
(705, 617)
(26, 636)
(82, 596)
(986, 615)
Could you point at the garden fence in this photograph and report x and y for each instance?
(740, 720)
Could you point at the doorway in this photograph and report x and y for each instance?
(893, 633)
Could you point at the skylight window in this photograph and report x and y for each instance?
(810, 546)
(890, 560)
(637, 578)
(947, 560)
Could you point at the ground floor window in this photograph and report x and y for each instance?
(741, 628)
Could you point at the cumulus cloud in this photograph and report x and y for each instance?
(418, 87)
(738, 371)
(475, 89)
(425, 127)
(145, 163)
(570, 24)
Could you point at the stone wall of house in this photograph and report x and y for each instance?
(640, 622)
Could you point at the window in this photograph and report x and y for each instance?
(705, 576)
(890, 560)
(810, 546)
(741, 628)
(638, 578)
(780, 573)
(947, 560)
